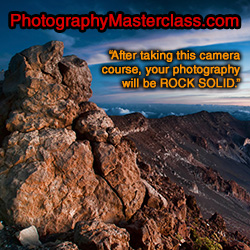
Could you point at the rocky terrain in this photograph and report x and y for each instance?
(72, 178)
(208, 154)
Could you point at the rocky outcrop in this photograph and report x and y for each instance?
(97, 235)
(216, 182)
(48, 181)
(118, 166)
(51, 176)
(154, 199)
(47, 88)
(145, 234)
(132, 123)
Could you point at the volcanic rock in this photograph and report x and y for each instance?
(47, 88)
(218, 221)
(145, 233)
(65, 246)
(155, 199)
(93, 125)
(97, 235)
(49, 177)
(50, 182)
(132, 123)
(186, 150)
(118, 166)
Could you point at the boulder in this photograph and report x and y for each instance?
(96, 235)
(29, 237)
(93, 125)
(64, 246)
(155, 199)
(144, 233)
(46, 86)
(118, 166)
(47, 180)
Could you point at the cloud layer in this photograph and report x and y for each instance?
(173, 40)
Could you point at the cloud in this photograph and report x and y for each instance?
(176, 96)
(96, 59)
(69, 41)
(173, 40)
(245, 76)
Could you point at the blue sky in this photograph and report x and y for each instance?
(93, 46)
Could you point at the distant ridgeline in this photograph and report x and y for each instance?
(162, 110)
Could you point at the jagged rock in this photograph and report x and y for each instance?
(218, 221)
(97, 235)
(235, 245)
(144, 233)
(114, 136)
(155, 199)
(65, 246)
(47, 88)
(77, 77)
(118, 166)
(29, 237)
(47, 177)
(31, 63)
(48, 180)
(131, 123)
(93, 125)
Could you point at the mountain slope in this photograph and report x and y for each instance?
(208, 154)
